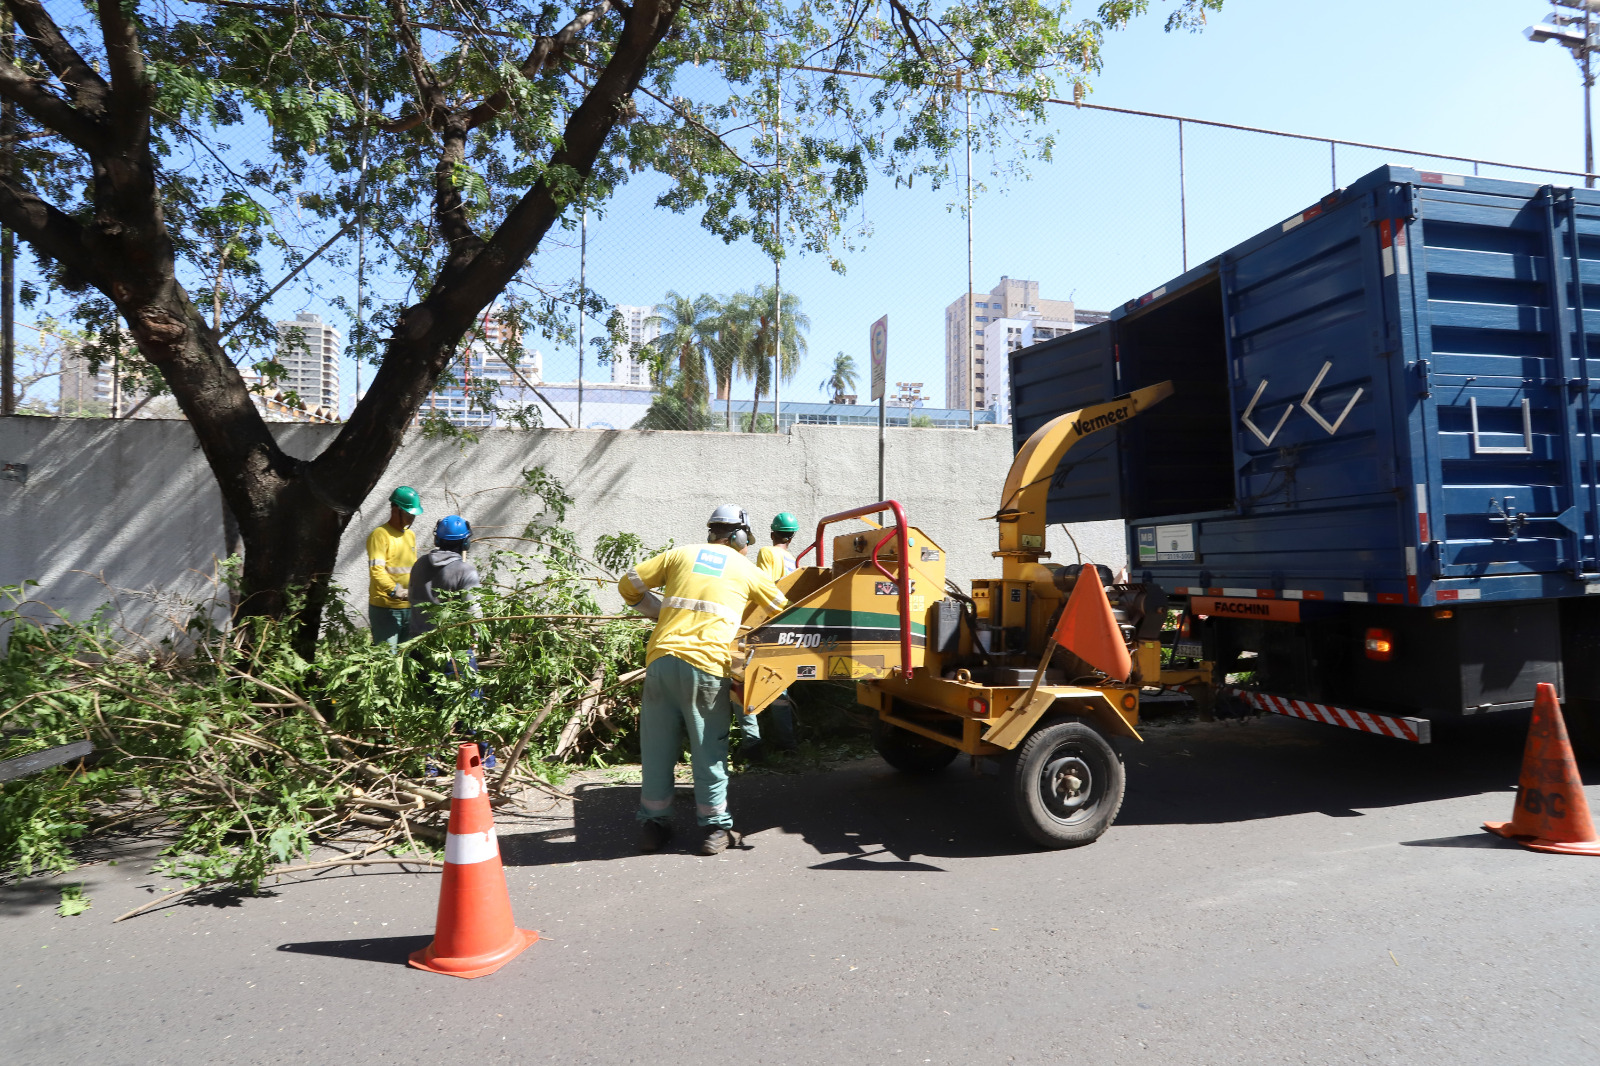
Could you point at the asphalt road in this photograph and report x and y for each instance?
(1274, 892)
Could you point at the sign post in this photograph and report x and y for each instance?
(880, 361)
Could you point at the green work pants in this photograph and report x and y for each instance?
(781, 714)
(677, 698)
(389, 624)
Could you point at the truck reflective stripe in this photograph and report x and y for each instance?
(1416, 730)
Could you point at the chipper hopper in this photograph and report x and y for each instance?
(953, 672)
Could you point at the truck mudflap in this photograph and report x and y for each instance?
(1416, 730)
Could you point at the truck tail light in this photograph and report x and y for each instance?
(978, 706)
(1380, 645)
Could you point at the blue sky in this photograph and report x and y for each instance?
(1100, 223)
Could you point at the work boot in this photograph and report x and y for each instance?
(654, 835)
(718, 839)
(753, 752)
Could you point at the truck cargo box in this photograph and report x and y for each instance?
(1386, 398)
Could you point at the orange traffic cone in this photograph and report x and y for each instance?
(474, 935)
(1551, 813)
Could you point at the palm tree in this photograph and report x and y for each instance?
(688, 327)
(730, 336)
(677, 405)
(786, 342)
(842, 379)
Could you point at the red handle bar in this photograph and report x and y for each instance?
(904, 584)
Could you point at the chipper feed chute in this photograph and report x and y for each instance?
(850, 621)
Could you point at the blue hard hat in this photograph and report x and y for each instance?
(452, 529)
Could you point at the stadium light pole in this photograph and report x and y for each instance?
(1575, 33)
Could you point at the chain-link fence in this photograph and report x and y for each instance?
(678, 332)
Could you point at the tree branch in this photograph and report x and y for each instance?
(48, 229)
(131, 91)
(86, 88)
(54, 113)
(544, 51)
(426, 335)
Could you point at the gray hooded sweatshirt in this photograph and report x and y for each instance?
(438, 571)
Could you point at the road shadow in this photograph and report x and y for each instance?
(389, 949)
(1462, 840)
(1271, 767)
(873, 817)
(863, 816)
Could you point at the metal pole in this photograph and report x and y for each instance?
(8, 242)
(1333, 161)
(777, 269)
(972, 322)
(1183, 200)
(882, 411)
(583, 280)
(1588, 86)
(361, 206)
(583, 288)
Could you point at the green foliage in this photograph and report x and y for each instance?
(841, 379)
(246, 754)
(765, 119)
(73, 901)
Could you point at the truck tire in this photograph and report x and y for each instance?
(1066, 784)
(909, 752)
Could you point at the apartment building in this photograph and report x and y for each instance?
(309, 350)
(639, 324)
(1014, 299)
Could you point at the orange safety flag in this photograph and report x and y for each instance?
(1089, 630)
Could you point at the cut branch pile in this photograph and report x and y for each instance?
(246, 755)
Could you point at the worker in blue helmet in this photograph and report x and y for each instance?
(446, 572)
(444, 569)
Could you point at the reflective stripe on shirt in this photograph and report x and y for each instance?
(703, 606)
(638, 585)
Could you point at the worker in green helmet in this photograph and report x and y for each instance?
(391, 553)
(777, 560)
(778, 563)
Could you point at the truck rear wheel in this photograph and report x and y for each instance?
(1066, 784)
(909, 752)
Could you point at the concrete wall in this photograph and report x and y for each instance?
(127, 512)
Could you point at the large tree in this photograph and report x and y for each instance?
(458, 137)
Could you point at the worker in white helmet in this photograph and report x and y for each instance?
(705, 589)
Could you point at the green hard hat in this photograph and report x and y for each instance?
(785, 523)
(405, 497)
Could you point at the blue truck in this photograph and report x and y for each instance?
(1372, 496)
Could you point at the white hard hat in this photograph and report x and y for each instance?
(728, 514)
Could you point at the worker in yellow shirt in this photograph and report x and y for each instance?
(777, 563)
(705, 589)
(391, 552)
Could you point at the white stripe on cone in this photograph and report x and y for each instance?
(467, 786)
(464, 849)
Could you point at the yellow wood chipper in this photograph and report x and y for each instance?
(950, 671)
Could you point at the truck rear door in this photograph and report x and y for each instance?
(1507, 376)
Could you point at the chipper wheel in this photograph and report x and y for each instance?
(1066, 784)
(908, 752)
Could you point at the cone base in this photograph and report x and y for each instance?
(1556, 847)
(477, 965)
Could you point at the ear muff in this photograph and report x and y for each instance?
(740, 540)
